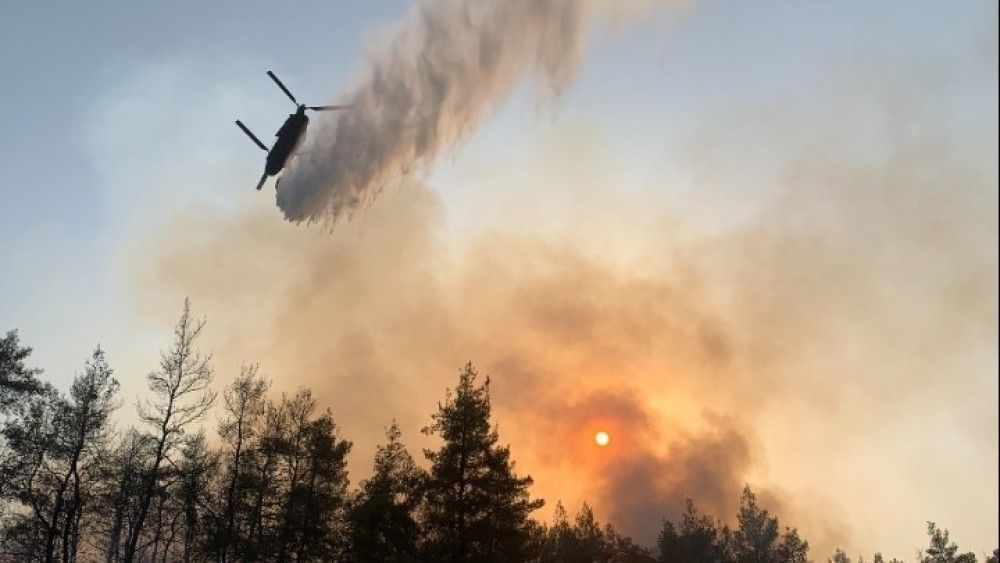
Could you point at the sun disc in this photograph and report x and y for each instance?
(602, 438)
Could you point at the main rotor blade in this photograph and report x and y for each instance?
(328, 108)
(253, 137)
(282, 86)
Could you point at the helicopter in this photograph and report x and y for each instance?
(289, 136)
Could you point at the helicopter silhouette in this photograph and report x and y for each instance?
(289, 136)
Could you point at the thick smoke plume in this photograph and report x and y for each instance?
(803, 300)
(428, 87)
(777, 354)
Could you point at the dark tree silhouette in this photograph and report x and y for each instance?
(383, 515)
(82, 431)
(696, 539)
(840, 557)
(29, 437)
(244, 406)
(194, 478)
(315, 483)
(553, 543)
(54, 444)
(116, 494)
(17, 380)
(585, 540)
(181, 396)
(622, 549)
(263, 496)
(942, 549)
(476, 507)
(758, 539)
(275, 487)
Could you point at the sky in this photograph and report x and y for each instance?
(755, 242)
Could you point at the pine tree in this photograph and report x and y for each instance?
(83, 429)
(696, 539)
(619, 548)
(119, 490)
(585, 540)
(383, 515)
(315, 483)
(194, 476)
(558, 540)
(182, 396)
(942, 549)
(476, 507)
(17, 380)
(55, 444)
(263, 478)
(758, 540)
(244, 406)
(29, 436)
(588, 539)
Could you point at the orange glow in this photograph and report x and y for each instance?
(602, 438)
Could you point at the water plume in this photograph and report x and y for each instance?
(429, 86)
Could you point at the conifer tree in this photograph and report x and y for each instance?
(383, 515)
(118, 490)
(619, 548)
(194, 476)
(244, 405)
(585, 540)
(29, 436)
(315, 483)
(942, 549)
(758, 539)
(83, 429)
(54, 444)
(181, 397)
(16, 378)
(696, 539)
(559, 540)
(588, 539)
(476, 507)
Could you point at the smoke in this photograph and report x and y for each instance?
(834, 346)
(428, 87)
(379, 319)
(857, 303)
(647, 474)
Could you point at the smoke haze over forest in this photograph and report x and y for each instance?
(754, 249)
(694, 348)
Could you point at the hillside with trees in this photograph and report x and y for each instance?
(272, 484)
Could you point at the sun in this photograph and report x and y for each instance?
(602, 438)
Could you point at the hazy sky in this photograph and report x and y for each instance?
(756, 240)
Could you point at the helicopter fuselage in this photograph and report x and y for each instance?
(289, 136)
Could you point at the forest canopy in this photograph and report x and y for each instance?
(271, 484)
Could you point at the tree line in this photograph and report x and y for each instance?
(273, 484)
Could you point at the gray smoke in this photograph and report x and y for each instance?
(427, 88)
